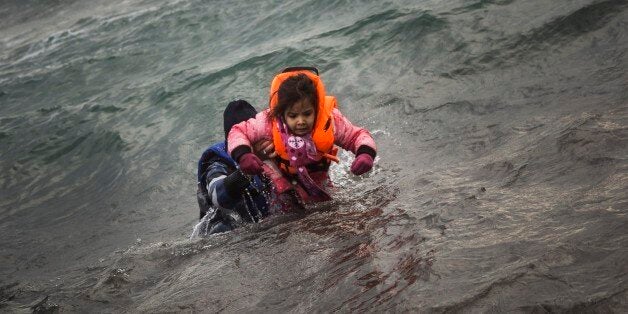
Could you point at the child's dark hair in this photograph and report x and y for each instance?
(293, 89)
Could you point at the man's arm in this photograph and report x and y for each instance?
(225, 186)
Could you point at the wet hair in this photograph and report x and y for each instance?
(293, 89)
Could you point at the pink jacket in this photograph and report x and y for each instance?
(346, 135)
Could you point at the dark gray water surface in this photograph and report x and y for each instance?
(501, 183)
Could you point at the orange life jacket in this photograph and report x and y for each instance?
(323, 131)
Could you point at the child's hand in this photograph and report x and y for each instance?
(250, 164)
(362, 164)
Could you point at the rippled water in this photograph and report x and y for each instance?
(502, 129)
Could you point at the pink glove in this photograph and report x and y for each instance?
(362, 164)
(250, 164)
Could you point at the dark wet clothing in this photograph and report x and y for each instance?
(227, 198)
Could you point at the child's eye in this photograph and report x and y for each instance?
(308, 113)
(292, 115)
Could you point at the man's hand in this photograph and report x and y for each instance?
(265, 149)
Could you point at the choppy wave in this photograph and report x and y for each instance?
(502, 129)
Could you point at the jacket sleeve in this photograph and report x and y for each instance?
(224, 187)
(250, 131)
(351, 137)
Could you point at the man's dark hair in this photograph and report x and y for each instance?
(236, 112)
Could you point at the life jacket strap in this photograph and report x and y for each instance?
(285, 167)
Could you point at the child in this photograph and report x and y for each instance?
(304, 124)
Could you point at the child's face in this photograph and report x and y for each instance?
(300, 117)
